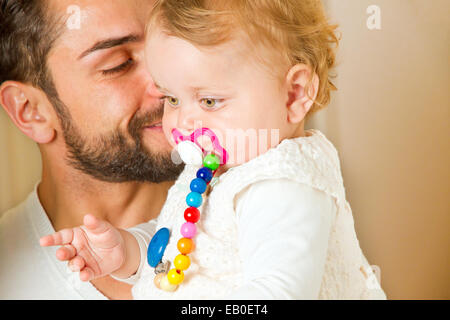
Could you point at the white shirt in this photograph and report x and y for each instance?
(29, 271)
(284, 228)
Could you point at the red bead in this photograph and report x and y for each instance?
(192, 214)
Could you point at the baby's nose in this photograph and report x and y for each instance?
(185, 132)
(188, 121)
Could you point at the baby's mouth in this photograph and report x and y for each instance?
(203, 142)
(206, 144)
(204, 139)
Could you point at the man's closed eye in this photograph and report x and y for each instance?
(119, 68)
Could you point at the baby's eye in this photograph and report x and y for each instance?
(210, 102)
(173, 101)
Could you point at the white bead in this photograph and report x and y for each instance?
(166, 285)
(190, 153)
(157, 279)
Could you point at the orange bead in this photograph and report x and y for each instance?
(185, 245)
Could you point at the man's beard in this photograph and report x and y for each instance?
(112, 157)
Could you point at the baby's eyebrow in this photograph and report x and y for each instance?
(193, 89)
(212, 89)
(160, 88)
(206, 88)
(197, 89)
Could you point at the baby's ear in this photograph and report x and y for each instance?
(298, 102)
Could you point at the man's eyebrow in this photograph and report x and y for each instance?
(110, 43)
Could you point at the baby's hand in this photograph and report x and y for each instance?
(95, 249)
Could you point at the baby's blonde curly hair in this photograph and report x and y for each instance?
(297, 31)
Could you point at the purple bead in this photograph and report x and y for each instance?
(188, 230)
(205, 174)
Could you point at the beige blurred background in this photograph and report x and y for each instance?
(390, 124)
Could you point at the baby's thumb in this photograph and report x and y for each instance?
(95, 225)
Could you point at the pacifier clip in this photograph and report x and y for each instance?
(169, 280)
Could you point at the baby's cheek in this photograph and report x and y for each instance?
(245, 146)
(168, 124)
(237, 146)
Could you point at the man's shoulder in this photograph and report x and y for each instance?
(13, 220)
(18, 234)
(27, 270)
(23, 265)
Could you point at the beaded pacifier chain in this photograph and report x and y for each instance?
(191, 152)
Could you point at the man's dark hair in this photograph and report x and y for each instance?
(27, 33)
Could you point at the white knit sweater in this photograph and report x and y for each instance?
(216, 270)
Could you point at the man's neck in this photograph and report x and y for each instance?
(67, 196)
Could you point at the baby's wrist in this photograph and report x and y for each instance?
(131, 258)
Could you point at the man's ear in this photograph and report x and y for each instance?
(299, 103)
(28, 108)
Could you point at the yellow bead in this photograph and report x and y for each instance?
(175, 276)
(166, 285)
(182, 262)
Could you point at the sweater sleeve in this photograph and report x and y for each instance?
(284, 227)
(143, 234)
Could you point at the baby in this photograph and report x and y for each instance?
(274, 222)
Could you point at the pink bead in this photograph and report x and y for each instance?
(188, 230)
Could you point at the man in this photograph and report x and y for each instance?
(77, 86)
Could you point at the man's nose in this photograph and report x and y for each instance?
(153, 91)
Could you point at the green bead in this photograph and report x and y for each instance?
(211, 161)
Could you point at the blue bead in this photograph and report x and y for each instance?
(194, 199)
(157, 247)
(205, 174)
(198, 185)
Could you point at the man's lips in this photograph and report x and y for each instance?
(157, 125)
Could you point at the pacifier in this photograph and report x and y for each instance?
(192, 152)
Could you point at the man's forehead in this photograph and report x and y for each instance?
(89, 21)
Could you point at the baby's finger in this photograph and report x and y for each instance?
(66, 253)
(86, 274)
(95, 225)
(46, 241)
(62, 237)
(76, 264)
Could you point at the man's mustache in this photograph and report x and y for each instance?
(140, 121)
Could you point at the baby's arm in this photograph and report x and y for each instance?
(96, 249)
(284, 228)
